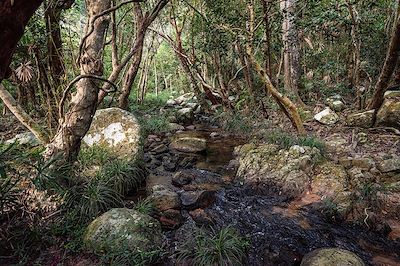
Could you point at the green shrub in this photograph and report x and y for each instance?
(122, 175)
(91, 198)
(127, 257)
(154, 125)
(95, 155)
(214, 247)
(144, 206)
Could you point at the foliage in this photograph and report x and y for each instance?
(122, 175)
(214, 247)
(145, 206)
(285, 140)
(126, 257)
(91, 198)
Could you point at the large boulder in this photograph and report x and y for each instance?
(389, 113)
(123, 229)
(327, 117)
(190, 144)
(283, 170)
(26, 138)
(363, 119)
(331, 257)
(116, 129)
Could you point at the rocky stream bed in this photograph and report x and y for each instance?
(195, 184)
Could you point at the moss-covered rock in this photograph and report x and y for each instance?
(284, 170)
(331, 257)
(123, 229)
(116, 129)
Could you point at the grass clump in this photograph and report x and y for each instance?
(214, 247)
(285, 140)
(145, 206)
(154, 125)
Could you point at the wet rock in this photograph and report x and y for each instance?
(164, 198)
(26, 138)
(187, 162)
(169, 163)
(180, 179)
(123, 229)
(389, 113)
(175, 127)
(331, 257)
(390, 165)
(116, 129)
(363, 119)
(197, 199)
(200, 217)
(195, 179)
(327, 117)
(162, 148)
(189, 144)
(171, 219)
(286, 171)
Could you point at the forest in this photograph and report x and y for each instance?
(200, 132)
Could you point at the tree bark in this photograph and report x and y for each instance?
(389, 66)
(290, 40)
(14, 15)
(76, 122)
(22, 116)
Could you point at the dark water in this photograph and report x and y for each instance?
(282, 232)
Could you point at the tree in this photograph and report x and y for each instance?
(392, 58)
(14, 15)
(76, 122)
(291, 49)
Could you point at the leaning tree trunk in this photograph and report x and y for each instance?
(14, 15)
(76, 122)
(389, 66)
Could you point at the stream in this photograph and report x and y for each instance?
(280, 232)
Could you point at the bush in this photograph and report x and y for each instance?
(214, 247)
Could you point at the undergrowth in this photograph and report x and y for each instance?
(214, 247)
(285, 140)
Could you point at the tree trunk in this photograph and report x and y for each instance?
(76, 122)
(267, 51)
(389, 66)
(54, 42)
(290, 40)
(14, 15)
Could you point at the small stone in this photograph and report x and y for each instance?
(170, 102)
(191, 127)
(197, 199)
(189, 144)
(176, 127)
(363, 119)
(180, 179)
(363, 163)
(24, 138)
(327, 117)
(214, 135)
(331, 257)
(171, 219)
(159, 149)
(164, 198)
(390, 165)
(200, 217)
